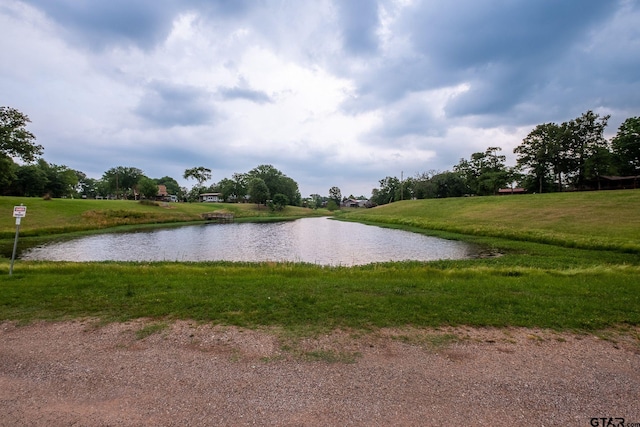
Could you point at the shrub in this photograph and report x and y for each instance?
(332, 205)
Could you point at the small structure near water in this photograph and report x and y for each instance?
(220, 217)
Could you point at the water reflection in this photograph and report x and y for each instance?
(314, 240)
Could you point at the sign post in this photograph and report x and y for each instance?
(19, 212)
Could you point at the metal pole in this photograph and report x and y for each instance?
(15, 246)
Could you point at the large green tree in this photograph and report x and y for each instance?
(258, 190)
(585, 148)
(7, 172)
(87, 187)
(61, 180)
(626, 147)
(200, 174)
(388, 192)
(280, 201)
(335, 194)
(15, 140)
(148, 188)
(42, 178)
(276, 182)
(30, 181)
(122, 180)
(485, 172)
(234, 189)
(539, 157)
(439, 185)
(574, 153)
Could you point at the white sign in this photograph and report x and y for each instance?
(19, 211)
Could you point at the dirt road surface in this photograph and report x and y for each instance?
(183, 373)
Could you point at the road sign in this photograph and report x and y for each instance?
(19, 211)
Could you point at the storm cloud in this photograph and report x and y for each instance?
(331, 92)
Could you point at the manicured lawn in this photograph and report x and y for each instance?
(300, 296)
(47, 217)
(563, 261)
(596, 220)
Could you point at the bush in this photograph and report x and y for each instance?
(280, 201)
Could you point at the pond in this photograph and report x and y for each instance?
(320, 241)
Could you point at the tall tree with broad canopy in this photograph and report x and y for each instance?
(539, 157)
(335, 194)
(585, 147)
(239, 186)
(148, 188)
(200, 174)
(61, 181)
(280, 201)
(226, 187)
(7, 172)
(485, 173)
(626, 147)
(258, 191)
(15, 140)
(388, 192)
(434, 185)
(87, 187)
(122, 180)
(31, 181)
(276, 182)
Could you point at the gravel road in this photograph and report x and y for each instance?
(81, 373)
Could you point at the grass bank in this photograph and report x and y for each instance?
(306, 297)
(67, 218)
(59, 216)
(569, 261)
(602, 220)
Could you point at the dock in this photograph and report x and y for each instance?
(219, 217)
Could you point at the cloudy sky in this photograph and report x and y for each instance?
(331, 92)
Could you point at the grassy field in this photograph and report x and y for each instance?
(568, 261)
(590, 220)
(48, 217)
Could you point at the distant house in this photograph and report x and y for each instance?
(162, 193)
(614, 183)
(354, 203)
(509, 191)
(210, 197)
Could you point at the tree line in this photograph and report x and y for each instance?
(263, 184)
(573, 155)
(36, 177)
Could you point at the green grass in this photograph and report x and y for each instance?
(56, 216)
(68, 218)
(569, 262)
(592, 220)
(297, 296)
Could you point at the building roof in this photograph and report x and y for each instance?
(511, 190)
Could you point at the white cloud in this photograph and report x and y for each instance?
(230, 85)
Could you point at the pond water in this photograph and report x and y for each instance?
(313, 240)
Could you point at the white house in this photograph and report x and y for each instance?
(210, 197)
